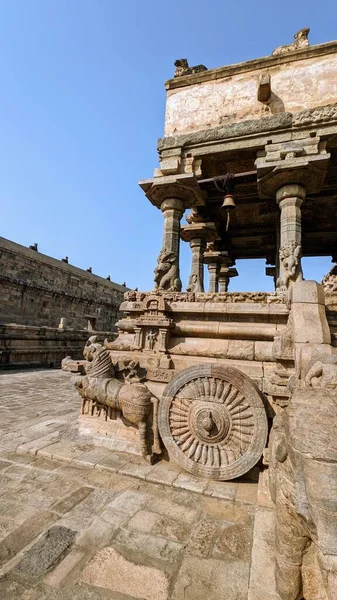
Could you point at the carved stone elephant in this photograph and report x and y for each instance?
(303, 485)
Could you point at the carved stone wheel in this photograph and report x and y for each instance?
(213, 422)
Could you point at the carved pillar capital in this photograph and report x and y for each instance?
(293, 192)
(172, 204)
(303, 162)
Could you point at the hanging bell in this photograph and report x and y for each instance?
(229, 205)
(228, 202)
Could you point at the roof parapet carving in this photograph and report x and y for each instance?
(183, 68)
(301, 41)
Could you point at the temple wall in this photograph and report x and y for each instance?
(223, 99)
(38, 290)
(29, 346)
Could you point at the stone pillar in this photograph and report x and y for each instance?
(223, 282)
(225, 276)
(198, 233)
(213, 269)
(196, 283)
(167, 271)
(290, 198)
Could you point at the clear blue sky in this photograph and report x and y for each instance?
(82, 105)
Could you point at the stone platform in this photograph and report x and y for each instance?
(85, 523)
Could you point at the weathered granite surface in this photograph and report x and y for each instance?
(92, 526)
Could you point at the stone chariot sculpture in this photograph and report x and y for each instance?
(211, 418)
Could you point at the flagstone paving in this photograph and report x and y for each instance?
(78, 522)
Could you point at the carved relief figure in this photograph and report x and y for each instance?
(166, 272)
(100, 388)
(151, 338)
(301, 41)
(193, 284)
(291, 270)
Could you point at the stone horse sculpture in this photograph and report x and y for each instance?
(99, 387)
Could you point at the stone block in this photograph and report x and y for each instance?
(83, 514)
(113, 462)
(64, 568)
(199, 578)
(129, 502)
(164, 473)
(202, 538)
(46, 552)
(171, 529)
(63, 450)
(240, 349)
(310, 324)
(262, 578)
(170, 166)
(235, 543)
(146, 545)
(221, 489)
(263, 351)
(94, 456)
(143, 520)
(66, 504)
(246, 493)
(188, 482)
(307, 292)
(137, 467)
(24, 535)
(178, 512)
(111, 570)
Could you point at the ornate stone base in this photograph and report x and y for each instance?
(110, 434)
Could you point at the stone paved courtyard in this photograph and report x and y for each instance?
(79, 522)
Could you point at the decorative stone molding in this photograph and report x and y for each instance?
(321, 114)
(134, 300)
(329, 281)
(213, 422)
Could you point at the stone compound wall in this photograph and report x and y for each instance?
(29, 346)
(38, 290)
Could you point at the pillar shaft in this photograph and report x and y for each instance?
(223, 283)
(213, 269)
(196, 283)
(167, 270)
(290, 199)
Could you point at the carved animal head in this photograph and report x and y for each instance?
(182, 67)
(181, 62)
(99, 358)
(301, 37)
